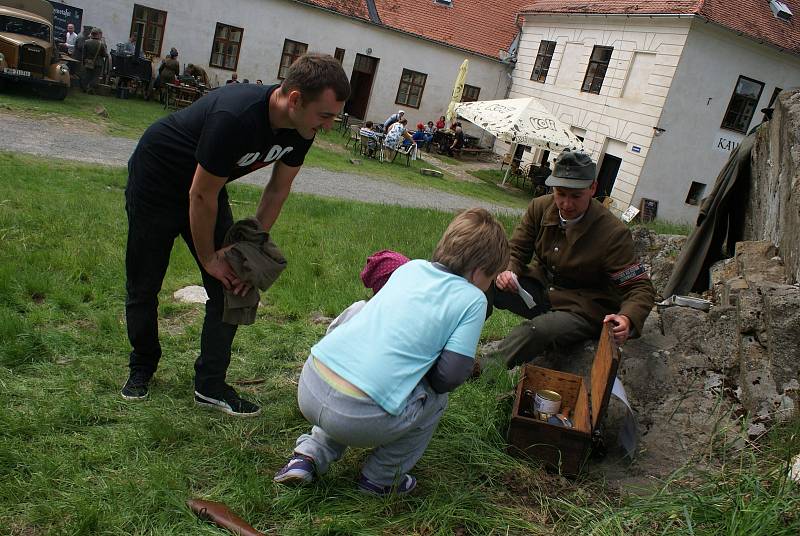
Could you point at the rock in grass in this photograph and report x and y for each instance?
(101, 111)
(355, 161)
(794, 470)
(191, 294)
(430, 172)
(319, 318)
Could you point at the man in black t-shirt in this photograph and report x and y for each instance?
(176, 186)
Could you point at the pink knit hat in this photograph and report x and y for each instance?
(380, 266)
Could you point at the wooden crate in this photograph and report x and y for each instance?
(564, 449)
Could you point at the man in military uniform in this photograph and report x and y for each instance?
(198, 73)
(94, 54)
(576, 260)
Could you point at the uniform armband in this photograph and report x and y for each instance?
(630, 274)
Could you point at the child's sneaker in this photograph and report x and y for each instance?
(406, 484)
(299, 470)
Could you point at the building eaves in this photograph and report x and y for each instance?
(751, 19)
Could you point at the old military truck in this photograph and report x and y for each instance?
(28, 54)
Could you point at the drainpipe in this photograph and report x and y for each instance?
(511, 61)
(373, 12)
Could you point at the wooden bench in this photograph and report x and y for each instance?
(478, 152)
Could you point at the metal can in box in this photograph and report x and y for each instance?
(546, 402)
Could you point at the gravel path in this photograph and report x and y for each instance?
(67, 139)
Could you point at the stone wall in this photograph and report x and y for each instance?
(773, 212)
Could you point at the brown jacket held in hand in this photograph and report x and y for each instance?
(257, 261)
(589, 268)
(222, 516)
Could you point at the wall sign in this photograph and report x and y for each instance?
(636, 149)
(648, 208)
(725, 144)
(629, 214)
(63, 15)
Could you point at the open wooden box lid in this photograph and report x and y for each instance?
(604, 372)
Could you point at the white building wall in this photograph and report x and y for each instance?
(191, 24)
(618, 116)
(693, 146)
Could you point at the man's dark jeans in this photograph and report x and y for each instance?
(152, 229)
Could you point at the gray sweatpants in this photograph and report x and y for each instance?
(342, 421)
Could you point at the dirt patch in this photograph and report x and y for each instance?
(459, 171)
(22, 529)
(175, 324)
(67, 124)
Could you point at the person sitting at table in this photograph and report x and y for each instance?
(372, 137)
(397, 134)
(421, 137)
(458, 140)
(392, 119)
(540, 174)
(440, 123)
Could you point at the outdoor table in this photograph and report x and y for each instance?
(181, 96)
(470, 141)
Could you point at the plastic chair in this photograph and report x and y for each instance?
(367, 146)
(354, 137)
(389, 153)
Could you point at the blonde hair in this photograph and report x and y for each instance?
(474, 239)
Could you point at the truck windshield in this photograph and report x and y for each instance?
(24, 27)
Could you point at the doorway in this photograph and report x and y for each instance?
(607, 175)
(364, 70)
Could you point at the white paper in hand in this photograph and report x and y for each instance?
(524, 294)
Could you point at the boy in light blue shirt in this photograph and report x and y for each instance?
(381, 379)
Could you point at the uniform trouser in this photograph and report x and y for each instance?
(544, 330)
(151, 233)
(342, 421)
(89, 78)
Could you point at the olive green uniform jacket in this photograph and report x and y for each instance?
(169, 70)
(588, 268)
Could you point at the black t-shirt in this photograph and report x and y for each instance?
(227, 132)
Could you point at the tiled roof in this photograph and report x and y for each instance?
(352, 8)
(752, 18)
(480, 26)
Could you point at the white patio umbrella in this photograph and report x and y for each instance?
(520, 122)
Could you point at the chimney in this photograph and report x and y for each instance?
(780, 10)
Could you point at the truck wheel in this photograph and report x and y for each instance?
(54, 92)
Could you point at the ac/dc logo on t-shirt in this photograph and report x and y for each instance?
(255, 160)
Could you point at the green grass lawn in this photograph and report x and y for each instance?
(77, 459)
(129, 118)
